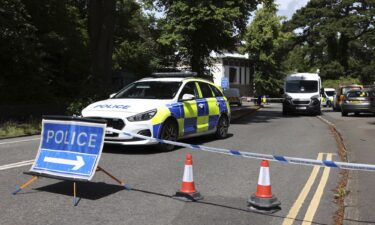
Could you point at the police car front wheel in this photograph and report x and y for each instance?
(169, 132)
(222, 127)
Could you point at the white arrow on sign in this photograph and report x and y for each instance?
(76, 163)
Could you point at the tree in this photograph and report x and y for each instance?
(101, 30)
(336, 32)
(134, 45)
(21, 67)
(266, 46)
(61, 29)
(196, 28)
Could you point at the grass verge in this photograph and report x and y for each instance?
(340, 191)
(15, 129)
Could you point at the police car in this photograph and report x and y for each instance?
(168, 106)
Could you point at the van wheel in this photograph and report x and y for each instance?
(169, 132)
(222, 127)
(344, 113)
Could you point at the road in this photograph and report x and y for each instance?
(226, 182)
(358, 134)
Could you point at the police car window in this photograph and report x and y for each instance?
(189, 88)
(150, 90)
(216, 91)
(206, 90)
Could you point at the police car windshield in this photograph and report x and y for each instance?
(330, 93)
(150, 90)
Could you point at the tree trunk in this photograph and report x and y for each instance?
(197, 64)
(101, 26)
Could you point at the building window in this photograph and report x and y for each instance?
(232, 75)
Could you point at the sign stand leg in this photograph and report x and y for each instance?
(75, 202)
(25, 185)
(114, 178)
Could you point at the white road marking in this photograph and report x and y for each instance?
(15, 165)
(13, 142)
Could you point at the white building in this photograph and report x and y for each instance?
(235, 68)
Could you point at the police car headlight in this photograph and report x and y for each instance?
(142, 116)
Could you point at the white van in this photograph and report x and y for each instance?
(302, 94)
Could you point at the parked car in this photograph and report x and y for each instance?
(233, 96)
(327, 97)
(338, 98)
(357, 101)
(168, 106)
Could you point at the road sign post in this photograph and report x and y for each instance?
(70, 149)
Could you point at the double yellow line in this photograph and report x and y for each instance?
(310, 213)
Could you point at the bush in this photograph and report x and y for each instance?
(77, 105)
(14, 129)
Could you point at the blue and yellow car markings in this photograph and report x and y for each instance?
(193, 116)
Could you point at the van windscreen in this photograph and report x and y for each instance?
(301, 86)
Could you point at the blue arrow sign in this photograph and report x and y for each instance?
(70, 149)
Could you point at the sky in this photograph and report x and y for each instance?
(288, 7)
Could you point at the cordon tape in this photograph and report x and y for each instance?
(277, 158)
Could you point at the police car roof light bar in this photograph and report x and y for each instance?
(175, 74)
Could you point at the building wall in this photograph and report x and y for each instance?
(218, 72)
(243, 79)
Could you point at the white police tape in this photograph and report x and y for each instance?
(277, 158)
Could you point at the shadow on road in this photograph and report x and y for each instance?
(152, 149)
(215, 204)
(85, 190)
(132, 149)
(264, 115)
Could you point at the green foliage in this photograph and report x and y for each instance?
(335, 36)
(45, 53)
(332, 70)
(21, 67)
(14, 129)
(368, 73)
(266, 45)
(134, 47)
(338, 82)
(195, 28)
(76, 106)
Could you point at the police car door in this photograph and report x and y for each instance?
(188, 123)
(208, 109)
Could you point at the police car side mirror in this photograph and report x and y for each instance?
(187, 97)
(111, 95)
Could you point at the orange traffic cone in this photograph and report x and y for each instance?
(187, 191)
(263, 200)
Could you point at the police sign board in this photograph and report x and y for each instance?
(70, 147)
(224, 83)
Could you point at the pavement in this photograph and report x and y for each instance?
(241, 111)
(358, 135)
